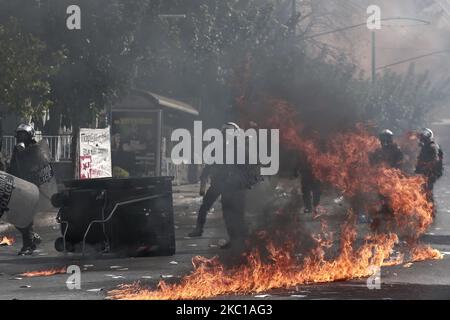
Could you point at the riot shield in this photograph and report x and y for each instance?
(18, 200)
(34, 165)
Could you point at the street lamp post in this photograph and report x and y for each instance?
(294, 13)
(374, 61)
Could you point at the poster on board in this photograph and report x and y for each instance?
(136, 142)
(95, 153)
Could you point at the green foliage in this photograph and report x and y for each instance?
(25, 70)
(400, 101)
(99, 61)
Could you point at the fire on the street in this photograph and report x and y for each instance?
(422, 252)
(44, 273)
(6, 241)
(345, 166)
(210, 278)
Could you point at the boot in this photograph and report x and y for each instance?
(30, 240)
(197, 232)
(226, 245)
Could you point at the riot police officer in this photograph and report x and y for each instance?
(233, 194)
(311, 186)
(429, 161)
(230, 181)
(25, 137)
(389, 153)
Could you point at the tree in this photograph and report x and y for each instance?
(99, 61)
(402, 102)
(225, 52)
(25, 71)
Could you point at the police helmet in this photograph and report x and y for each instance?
(386, 136)
(426, 135)
(230, 125)
(23, 127)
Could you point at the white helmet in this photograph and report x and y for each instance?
(386, 137)
(230, 125)
(24, 127)
(426, 135)
(231, 130)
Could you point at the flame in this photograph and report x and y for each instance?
(6, 241)
(345, 165)
(210, 278)
(395, 200)
(44, 273)
(424, 252)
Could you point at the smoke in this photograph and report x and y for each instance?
(399, 39)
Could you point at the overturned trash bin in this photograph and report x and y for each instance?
(133, 216)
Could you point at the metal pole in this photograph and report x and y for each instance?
(363, 24)
(412, 59)
(294, 13)
(374, 61)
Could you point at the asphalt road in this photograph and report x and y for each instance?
(422, 280)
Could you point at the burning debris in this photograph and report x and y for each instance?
(210, 278)
(7, 241)
(44, 273)
(424, 252)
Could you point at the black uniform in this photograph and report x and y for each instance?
(311, 186)
(29, 238)
(230, 181)
(211, 196)
(390, 155)
(428, 164)
(233, 185)
(14, 167)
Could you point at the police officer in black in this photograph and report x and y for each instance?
(389, 153)
(25, 137)
(211, 196)
(429, 161)
(233, 181)
(230, 181)
(311, 186)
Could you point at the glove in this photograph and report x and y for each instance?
(202, 188)
(20, 146)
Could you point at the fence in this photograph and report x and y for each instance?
(180, 172)
(60, 147)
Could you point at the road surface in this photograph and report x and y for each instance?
(422, 280)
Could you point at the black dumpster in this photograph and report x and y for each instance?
(127, 215)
